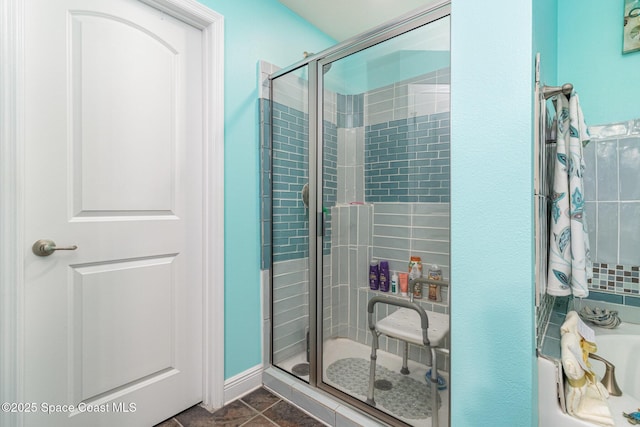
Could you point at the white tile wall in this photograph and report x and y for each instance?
(427, 94)
(391, 231)
(402, 230)
(290, 314)
(612, 194)
(350, 165)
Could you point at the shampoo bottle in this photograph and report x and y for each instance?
(417, 287)
(415, 260)
(384, 276)
(373, 275)
(434, 273)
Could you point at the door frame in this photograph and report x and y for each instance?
(12, 209)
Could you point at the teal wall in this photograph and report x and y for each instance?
(254, 30)
(545, 39)
(590, 56)
(493, 364)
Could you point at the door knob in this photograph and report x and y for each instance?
(45, 247)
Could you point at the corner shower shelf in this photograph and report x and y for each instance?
(421, 301)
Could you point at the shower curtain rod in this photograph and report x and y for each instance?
(549, 91)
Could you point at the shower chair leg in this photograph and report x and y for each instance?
(372, 368)
(435, 397)
(405, 357)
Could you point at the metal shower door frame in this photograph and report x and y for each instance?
(316, 135)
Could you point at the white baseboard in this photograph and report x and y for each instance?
(242, 383)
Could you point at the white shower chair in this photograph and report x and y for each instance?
(410, 324)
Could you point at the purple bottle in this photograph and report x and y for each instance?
(373, 275)
(384, 276)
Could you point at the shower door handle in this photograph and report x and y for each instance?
(320, 222)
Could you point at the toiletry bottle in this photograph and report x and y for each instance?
(434, 273)
(433, 292)
(373, 275)
(403, 283)
(394, 283)
(384, 276)
(417, 287)
(415, 260)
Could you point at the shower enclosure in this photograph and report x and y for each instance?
(357, 161)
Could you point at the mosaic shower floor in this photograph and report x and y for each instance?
(343, 349)
(400, 394)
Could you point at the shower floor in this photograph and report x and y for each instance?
(343, 348)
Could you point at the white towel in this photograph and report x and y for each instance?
(569, 256)
(585, 396)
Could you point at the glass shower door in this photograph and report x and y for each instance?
(385, 194)
(290, 222)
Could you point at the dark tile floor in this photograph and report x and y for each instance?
(258, 408)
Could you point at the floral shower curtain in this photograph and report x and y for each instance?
(570, 264)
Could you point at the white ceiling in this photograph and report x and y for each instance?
(342, 19)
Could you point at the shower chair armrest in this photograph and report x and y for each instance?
(424, 319)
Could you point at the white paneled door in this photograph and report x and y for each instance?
(113, 166)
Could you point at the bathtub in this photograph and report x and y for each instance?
(620, 346)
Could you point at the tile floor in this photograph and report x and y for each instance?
(258, 408)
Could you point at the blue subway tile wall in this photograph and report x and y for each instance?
(407, 160)
(265, 183)
(290, 172)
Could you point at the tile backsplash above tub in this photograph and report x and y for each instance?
(618, 279)
(612, 196)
